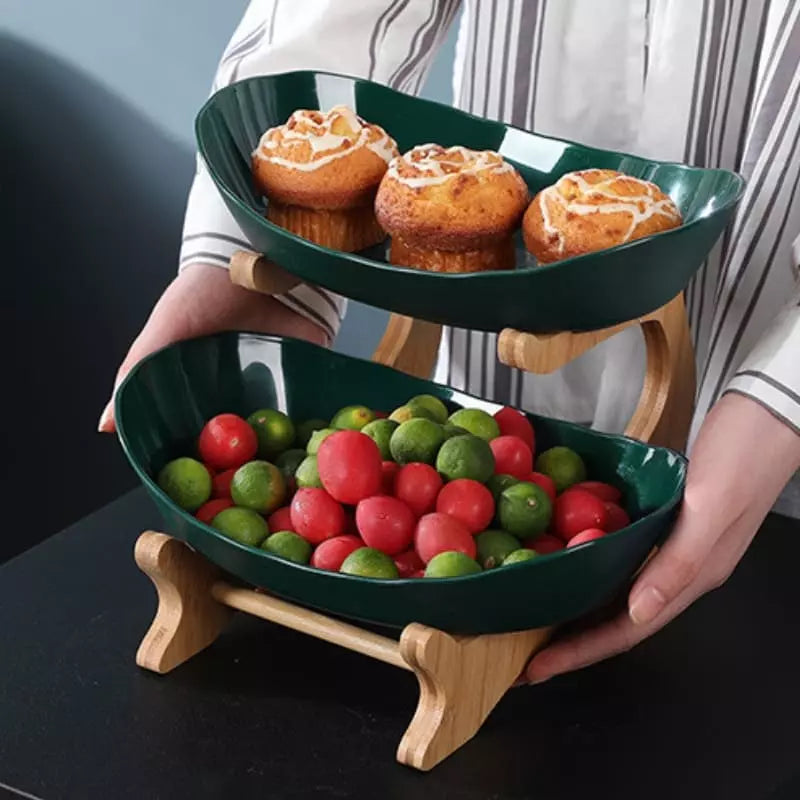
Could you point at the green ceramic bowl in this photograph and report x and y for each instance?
(584, 293)
(163, 404)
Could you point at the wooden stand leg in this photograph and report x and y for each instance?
(409, 345)
(461, 680)
(664, 412)
(188, 618)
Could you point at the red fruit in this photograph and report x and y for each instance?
(227, 441)
(221, 483)
(616, 518)
(210, 509)
(389, 470)
(408, 563)
(349, 465)
(380, 415)
(440, 533)
(332, 552)
(546, 482)
(280, 520)
(468, 501)
(316, 516)
(605, 491)
(586, 536)
(578, 510)
(420, 573)
(511, 456)
(544, 544)
(418, 485)
(515, 423)
(385, 523)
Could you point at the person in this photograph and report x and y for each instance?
(710, 82)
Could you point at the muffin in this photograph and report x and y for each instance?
(592, 210)
(450, 209)
(320, 172)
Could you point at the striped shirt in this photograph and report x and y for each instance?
(715, 83)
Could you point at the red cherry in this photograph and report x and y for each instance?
(468, 501)
(578, 510)
(512, 456)
(227, 441)
(515, 423)
(440, 533)
(586, 536)
(349, 466)
(316, 516)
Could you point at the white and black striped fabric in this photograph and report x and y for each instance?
(709, 82)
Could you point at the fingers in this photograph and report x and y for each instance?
(675, 567)
(106, 423)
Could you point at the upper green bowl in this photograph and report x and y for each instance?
(584, 293)
(167, 398)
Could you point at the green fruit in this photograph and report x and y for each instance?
(406, 412)
(258, 485)
(451, 564)
(451, 430)
(563, 465)
(241, 524)
(432, 405)
(289, 461)
(380, 431)
(187, 482)
(275, 431)
(367, 562)
(465, 457)
(417, 440)
(497, 484)
(352, 418)
(317, 438)
(524, 510)
(305, 429)
(307, 475)
(518, 556)
(288, 545)
(477, 422)
(494, 546)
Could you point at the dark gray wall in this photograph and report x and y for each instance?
(97, 157)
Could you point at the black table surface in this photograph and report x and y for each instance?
(708, 708)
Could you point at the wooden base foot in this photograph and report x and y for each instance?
(461, 679)
(188, 618)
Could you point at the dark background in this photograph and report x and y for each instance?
(93, 198)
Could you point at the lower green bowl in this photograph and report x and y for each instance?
(165, 401)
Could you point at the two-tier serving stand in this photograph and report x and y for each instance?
(461, 678)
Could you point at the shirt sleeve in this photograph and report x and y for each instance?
(391, 42)
(770, 374)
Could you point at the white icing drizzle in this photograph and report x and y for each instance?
(433, 161)
(640, 207)
(322, 140)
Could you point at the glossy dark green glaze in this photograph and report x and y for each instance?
(163, 404)
(584, 293)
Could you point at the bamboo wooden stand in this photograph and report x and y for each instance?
(461, 679)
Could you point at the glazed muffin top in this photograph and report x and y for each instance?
(592, 210)
(450, 198)
(326, 160)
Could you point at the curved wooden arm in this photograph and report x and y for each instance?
(666, 403)
(254, 272)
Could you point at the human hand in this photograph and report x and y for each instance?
(202, 300)
(742, 459)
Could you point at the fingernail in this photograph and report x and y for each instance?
(105, 418)
(646, 606)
